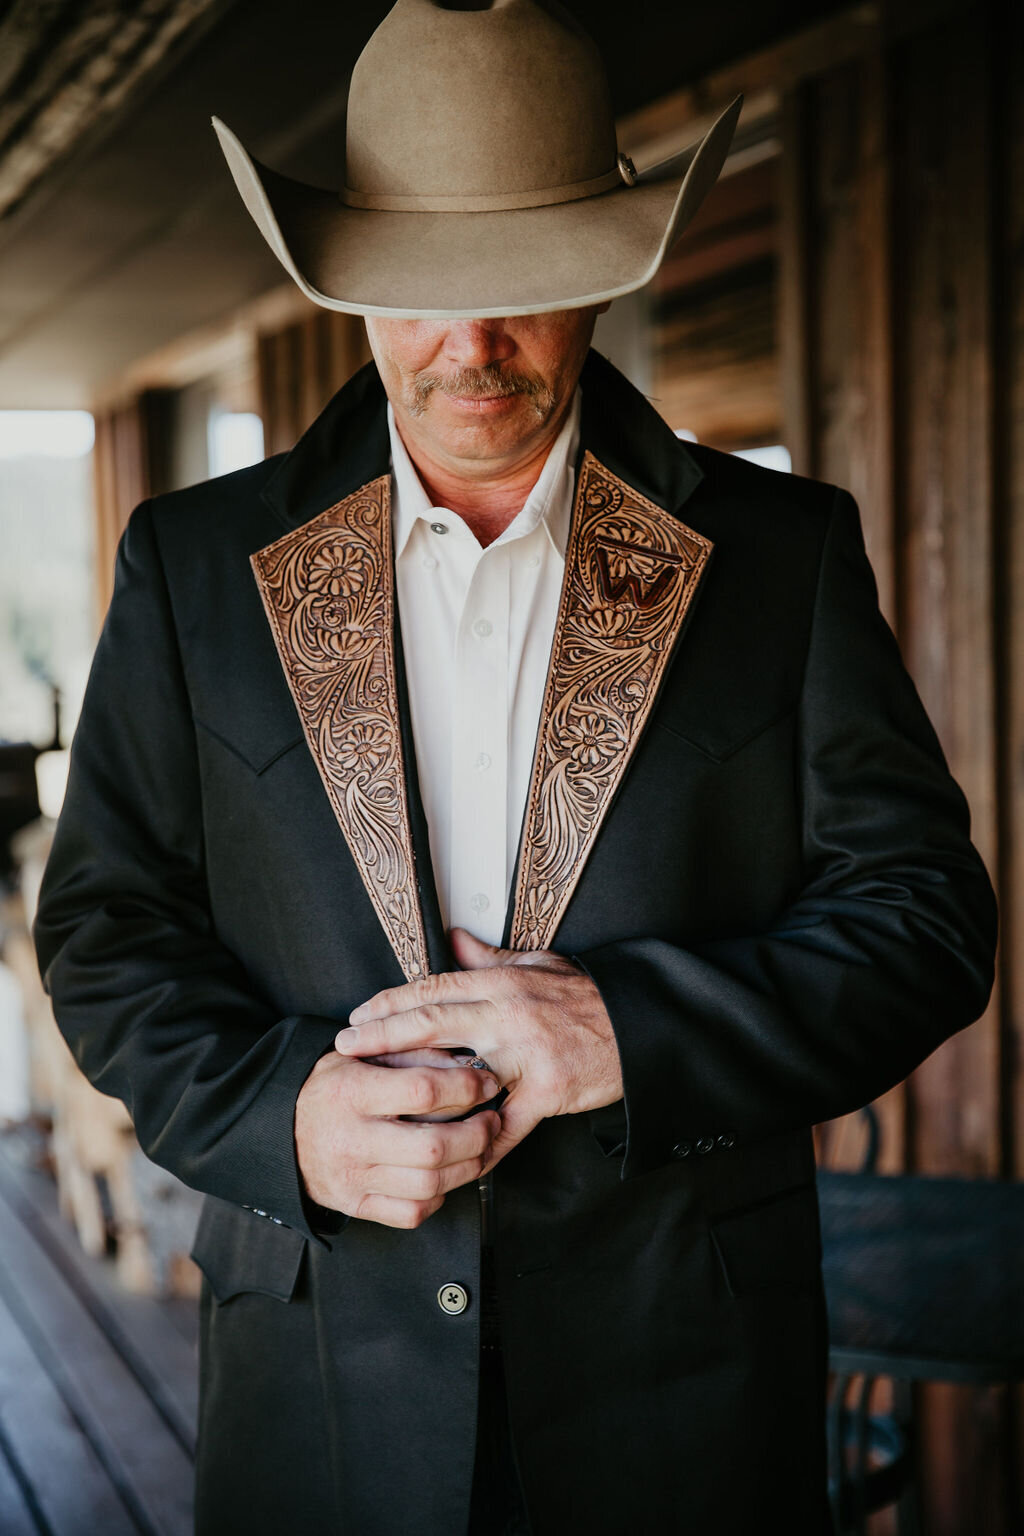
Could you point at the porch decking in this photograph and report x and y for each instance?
(98, 1387)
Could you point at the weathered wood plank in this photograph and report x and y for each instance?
(1009, 578)
(16, 1517)
(853, 402)
(72, 1487)
(849, 333)
(797, 370)
(942, 212)
(157, 1338)
(150, 1468)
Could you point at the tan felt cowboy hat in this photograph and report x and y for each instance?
(482, 175)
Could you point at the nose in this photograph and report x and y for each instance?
(474, 343)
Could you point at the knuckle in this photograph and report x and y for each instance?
(421, 1090)
(430, 1182)
(470, 1083)
(413, 1184)
(420, 1210)
(484, 1133)
(433, 1150)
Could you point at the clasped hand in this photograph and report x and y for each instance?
(370, 1139)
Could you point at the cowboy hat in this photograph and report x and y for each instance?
(482, 175)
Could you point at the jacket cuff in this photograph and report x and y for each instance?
(276, 1177)
(648, 1047)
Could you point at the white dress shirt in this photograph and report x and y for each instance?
(477, 626)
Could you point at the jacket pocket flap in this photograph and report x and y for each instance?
(239, 1251)
(776, 1241)
(720, 738)
(254, 747)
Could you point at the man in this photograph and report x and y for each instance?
(496, 834)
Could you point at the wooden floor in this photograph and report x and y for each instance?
(97, 1386)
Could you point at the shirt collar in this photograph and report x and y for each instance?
(549, 503)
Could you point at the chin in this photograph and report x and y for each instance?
(480, 437)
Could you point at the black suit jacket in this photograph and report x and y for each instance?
(782, 910)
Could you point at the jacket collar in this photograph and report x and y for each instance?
(347, 445)
(344, 449)
(327, 584)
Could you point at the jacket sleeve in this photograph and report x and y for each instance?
(156, 1010)
(887, 949)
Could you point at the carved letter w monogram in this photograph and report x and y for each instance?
(630, 587)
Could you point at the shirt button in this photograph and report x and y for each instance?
(682, 1149)
(534, 561)
(439, 527)
(479, 902)
(429, 563)
(483, 760)
(727, 1139)
(706, 1144)
(452, 1299)
(483, 626)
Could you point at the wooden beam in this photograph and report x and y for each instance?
(797, 368)
(942, 218)
(670, 124)
(68, 69)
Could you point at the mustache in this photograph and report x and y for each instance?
(480, 383)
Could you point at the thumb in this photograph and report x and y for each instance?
(473, 954)
(518, 1119)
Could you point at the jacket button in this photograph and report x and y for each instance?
(453, 1299)
(727, 1139)
(706, 1144)
(682, 1149)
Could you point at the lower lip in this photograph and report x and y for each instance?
(483, 407)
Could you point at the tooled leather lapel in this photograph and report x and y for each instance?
(327, 586)
(631, 572)
(328, 591)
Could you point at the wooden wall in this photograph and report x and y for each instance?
(902, 200)
(282, 356)
(714, 314)
(122, 477)
(300, 366)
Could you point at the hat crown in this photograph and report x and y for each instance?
(510, 99)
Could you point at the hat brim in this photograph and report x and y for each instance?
(443, 266)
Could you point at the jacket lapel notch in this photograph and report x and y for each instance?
(328, 591)
(631, 573)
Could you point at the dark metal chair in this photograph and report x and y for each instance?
(924, 1279)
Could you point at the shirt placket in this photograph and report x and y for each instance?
(479, 772)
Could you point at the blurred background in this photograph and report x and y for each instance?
(848, 304)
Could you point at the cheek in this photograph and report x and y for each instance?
(555, 351)
(404, 347)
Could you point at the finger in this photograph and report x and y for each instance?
(439, 1025)
(441, 987)
(421, 1090)
(422, 1183)
(518, 1119)
(473, 954)
(392, 1212)
(410, 1144)
(429, 1056)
